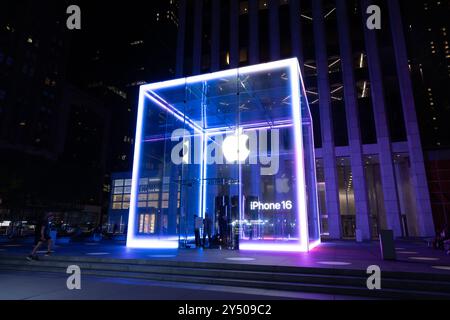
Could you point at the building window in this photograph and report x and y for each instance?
(321, 194)
(310, 68)
(375, 198)
(142, 204)
(147, 223)
(346, 198)
(142, 197)
(406, 194)
(263, 4)
(118, 183)
(117, 205)
(363, 88)
(360, 61)
(117, 198)
(118, 190)
(340, 129)
(243, 8)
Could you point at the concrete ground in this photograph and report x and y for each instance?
(412, 256)
(52, 286)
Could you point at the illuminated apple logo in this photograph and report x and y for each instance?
(234, 147)
(282, 184)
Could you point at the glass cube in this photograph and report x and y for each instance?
(226, 156)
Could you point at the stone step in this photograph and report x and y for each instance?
(269, 285)
(279, 280)
(248, 267)
(355, 280)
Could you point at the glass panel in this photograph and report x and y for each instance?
(118, 190)
(117, 198)
(406, 195)
(142, 204)
(153, 196)
(321, 196)
(346, 198)
(118, 183)
(117, 205)
(153, 204)
(142, 197)
(374, 195)
(143, 181)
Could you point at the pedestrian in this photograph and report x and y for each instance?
(42, 235)
(207, 230)
(198, 222)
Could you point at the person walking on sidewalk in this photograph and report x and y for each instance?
(42, 235)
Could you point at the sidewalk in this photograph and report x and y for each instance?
(413, 257)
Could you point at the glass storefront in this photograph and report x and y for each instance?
(233, 148)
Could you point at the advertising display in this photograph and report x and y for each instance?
(233, 149)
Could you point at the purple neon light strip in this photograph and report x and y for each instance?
(300, 166)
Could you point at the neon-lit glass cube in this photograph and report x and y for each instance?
(229, 153)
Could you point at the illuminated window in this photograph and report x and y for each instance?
(243, 8)
(117, 206)
(153, 196)
(142, 204)
(118, 183)
(138, 42)
(153, 204)
(118, 190)
(147, 223)
(142, 197)
(117, 198)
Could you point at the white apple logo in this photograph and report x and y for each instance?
(282, 184)
(234, 147)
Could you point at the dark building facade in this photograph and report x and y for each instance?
(51, 134)
(427, 24)
(132, 45)
(116, 53)
(33, 61)
(370, 163)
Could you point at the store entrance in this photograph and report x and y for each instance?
(226, 217)
(217, 223)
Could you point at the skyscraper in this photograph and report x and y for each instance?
(427, 32)
(33, 59)
(47, 128)
(370, 164)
